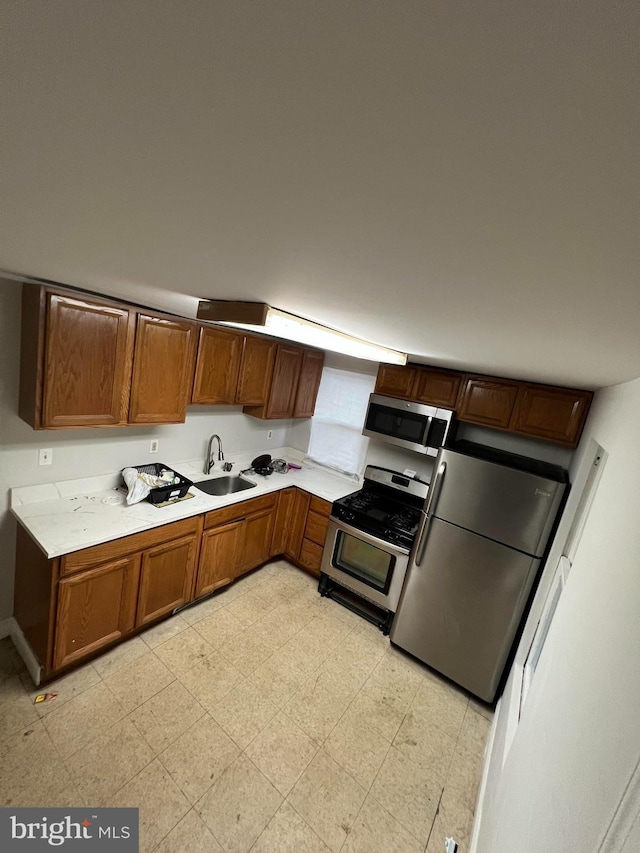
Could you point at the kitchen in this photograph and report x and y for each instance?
(598, 350)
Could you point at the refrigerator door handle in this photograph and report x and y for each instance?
(434, 494)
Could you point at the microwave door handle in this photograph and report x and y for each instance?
(434, 495)
(427, 430)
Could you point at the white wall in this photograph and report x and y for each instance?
(578, 740)
(85, 452)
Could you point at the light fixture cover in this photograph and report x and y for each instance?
(259, 317)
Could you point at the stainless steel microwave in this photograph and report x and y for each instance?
(405, 424)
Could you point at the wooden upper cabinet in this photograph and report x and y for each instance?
(217, 366)
(256, 368)
(95, 608)
(487, 401)
(396, 381)
(437, 387)
(162, 369)
(81, 376)
(550, 413)
(284, 384)
(308, 383)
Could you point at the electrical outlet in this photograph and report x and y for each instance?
(45, 456)
(270, 435)
(153, 446)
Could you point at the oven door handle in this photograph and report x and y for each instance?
(429, 510)
(336, 524)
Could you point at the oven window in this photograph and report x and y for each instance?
(405, 425)
(361, 560)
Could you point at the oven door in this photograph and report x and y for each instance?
(365, 564)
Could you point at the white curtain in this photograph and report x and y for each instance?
(336, 427)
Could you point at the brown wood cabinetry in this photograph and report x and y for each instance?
(308, 383)
(284, 518)
(166, 578)
(487, 401)
(217, 366)
(219, 554)
(232, 368)
(256, 543)
(437, 387)
(256, 369)
(72, 607)
(396, 381)
(92, 363)
(546, 412)
(550, 413)
(75, 361)
(162, 370)
(294, 384)
(95, 608)
(284, 383)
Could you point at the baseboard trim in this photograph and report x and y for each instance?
(10, 628)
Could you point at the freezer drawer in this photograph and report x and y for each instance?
(460, 609)
(502, 503)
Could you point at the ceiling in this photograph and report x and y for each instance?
(458, 180)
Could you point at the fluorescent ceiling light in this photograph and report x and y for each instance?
(259, 317)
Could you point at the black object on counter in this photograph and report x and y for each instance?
(170, 492)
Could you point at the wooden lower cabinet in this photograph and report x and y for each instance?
(90, 599)
(95, 608)
(219, 555)
(256, 542)
(166, 578)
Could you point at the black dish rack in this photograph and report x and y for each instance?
(170, 492)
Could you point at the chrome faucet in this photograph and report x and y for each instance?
(209, 462)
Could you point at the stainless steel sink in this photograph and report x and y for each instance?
(224, 485)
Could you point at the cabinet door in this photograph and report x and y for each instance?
(308, 383)
(310, 557)
(396, 381)
(438, 387)
(316, 527)
(95, 608)
(554, 414)
(162, 370)
(297, 524)
(166, 578)
(284, 517)
(284, 384)
(219, 552)
(256, 544)
(487, 401)
(256, 367)
(217, 366)
(87, 363)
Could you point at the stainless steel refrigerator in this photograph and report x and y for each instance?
(488, 519)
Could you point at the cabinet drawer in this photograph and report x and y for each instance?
(97, 554)
(239, 510)
(311, 556)
(320, 505)
(316, 527)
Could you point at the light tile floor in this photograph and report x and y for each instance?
(265, 718)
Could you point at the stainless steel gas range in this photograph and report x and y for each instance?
(369, 540)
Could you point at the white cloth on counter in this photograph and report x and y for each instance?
(140, 484)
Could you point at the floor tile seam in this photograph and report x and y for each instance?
(302, 817)
(166, 746)
(128, 711)
(454, 738)
(124, 784)
(101, 731)
(314, 742)
(398, 820)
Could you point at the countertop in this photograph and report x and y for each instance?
(72, 514)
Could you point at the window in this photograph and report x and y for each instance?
(336, 427)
